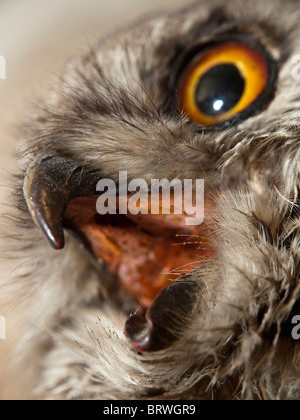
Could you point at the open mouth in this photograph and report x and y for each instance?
(144, 253)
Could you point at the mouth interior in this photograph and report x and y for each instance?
(144, 252)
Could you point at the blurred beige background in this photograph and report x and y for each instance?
(36, 37)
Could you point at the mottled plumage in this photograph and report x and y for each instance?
(115, 109)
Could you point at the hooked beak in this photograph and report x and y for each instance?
(50, 183)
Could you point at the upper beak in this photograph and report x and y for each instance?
(50, 183)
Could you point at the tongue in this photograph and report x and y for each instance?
(145, 252)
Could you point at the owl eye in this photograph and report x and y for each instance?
(220, 84)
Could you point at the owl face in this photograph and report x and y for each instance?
(210, 92)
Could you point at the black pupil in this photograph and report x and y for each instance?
(219, 90)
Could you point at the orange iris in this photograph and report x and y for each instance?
(222, 82)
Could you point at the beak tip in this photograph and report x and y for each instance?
(58, 244)
(55, 237)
